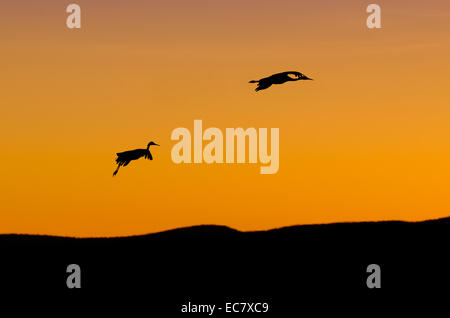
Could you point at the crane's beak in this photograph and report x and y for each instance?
(156, 145)
(307, 78)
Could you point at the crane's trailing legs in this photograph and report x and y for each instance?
(117, 170)
(120, 163)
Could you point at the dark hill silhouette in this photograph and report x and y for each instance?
(279, 265)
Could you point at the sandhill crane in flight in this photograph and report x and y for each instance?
(124, 158)
(279, 78)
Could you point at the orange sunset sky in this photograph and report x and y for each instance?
(368, 139)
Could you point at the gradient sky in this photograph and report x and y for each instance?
(367, 140)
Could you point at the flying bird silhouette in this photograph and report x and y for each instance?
(124, 158)
(279, 78)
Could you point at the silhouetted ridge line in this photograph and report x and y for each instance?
(204, 230)
(217, 260)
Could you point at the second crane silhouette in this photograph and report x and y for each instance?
(279, 78)
(124, 158)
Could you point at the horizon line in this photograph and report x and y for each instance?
(220, 226)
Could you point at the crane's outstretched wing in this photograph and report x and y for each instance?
(125, 153)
